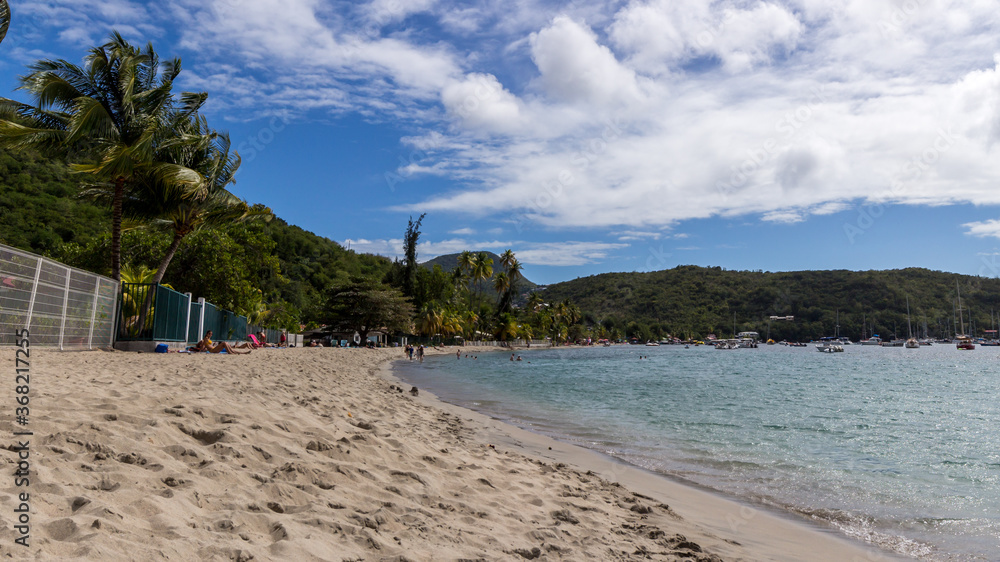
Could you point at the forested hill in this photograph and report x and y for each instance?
(235, 266)
(695, 301)
(449, 262)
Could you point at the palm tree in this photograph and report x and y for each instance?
(535, 302)
(501, 284)
(506, 328)
(109, 116)
(170, 208)
(514, 271)
(460, 282)
(482, 269)
(466, 261)
(524, 332)
(507, 259)
(429, 322)
(451, 323)
(469, 322)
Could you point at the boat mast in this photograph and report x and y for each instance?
(909, 329)
(960, 319)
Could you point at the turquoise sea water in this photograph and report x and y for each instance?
(898, 447)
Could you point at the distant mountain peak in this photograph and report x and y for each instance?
(449, 262)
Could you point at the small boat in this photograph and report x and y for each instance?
(829, 347)
(964, 342)
(652, 344)
(911, 343)
(874, 340)
(797, 344)
(893, 343)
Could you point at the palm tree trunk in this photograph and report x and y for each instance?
(144, 311)
(116, 229)
(169, 256)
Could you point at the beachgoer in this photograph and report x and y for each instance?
(511, 356)
(282, 340)
(420, 353)
(208, 345)
(518, 357)
(458, 354)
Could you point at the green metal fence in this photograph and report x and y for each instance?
(194, 326)
(157, 313)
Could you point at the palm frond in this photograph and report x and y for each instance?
(91, 119)
(4, 19)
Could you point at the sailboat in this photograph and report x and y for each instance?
(874, 340)
(962, 341)
(911, 342)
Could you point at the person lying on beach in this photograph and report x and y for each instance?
(208, 345)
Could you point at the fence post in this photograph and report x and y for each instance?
(34, 291)
(114, 313)
(65, 305)
(187, 319)
(201, 319)
(93, 315)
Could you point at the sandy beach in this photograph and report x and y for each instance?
(318, 454)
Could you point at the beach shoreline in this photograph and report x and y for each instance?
(717, 520)
(317, 454)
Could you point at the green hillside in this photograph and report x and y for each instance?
(41, 212)
(38, 210)
(695, 301)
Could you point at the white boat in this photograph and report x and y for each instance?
(874, 340)
(829, 347)
(652, 344)
(911, 343)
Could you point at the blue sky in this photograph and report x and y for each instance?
(594, 136)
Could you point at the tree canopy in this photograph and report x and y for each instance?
(365, 305)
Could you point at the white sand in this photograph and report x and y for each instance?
(308, 454)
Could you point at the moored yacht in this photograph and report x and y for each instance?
(962, 341)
